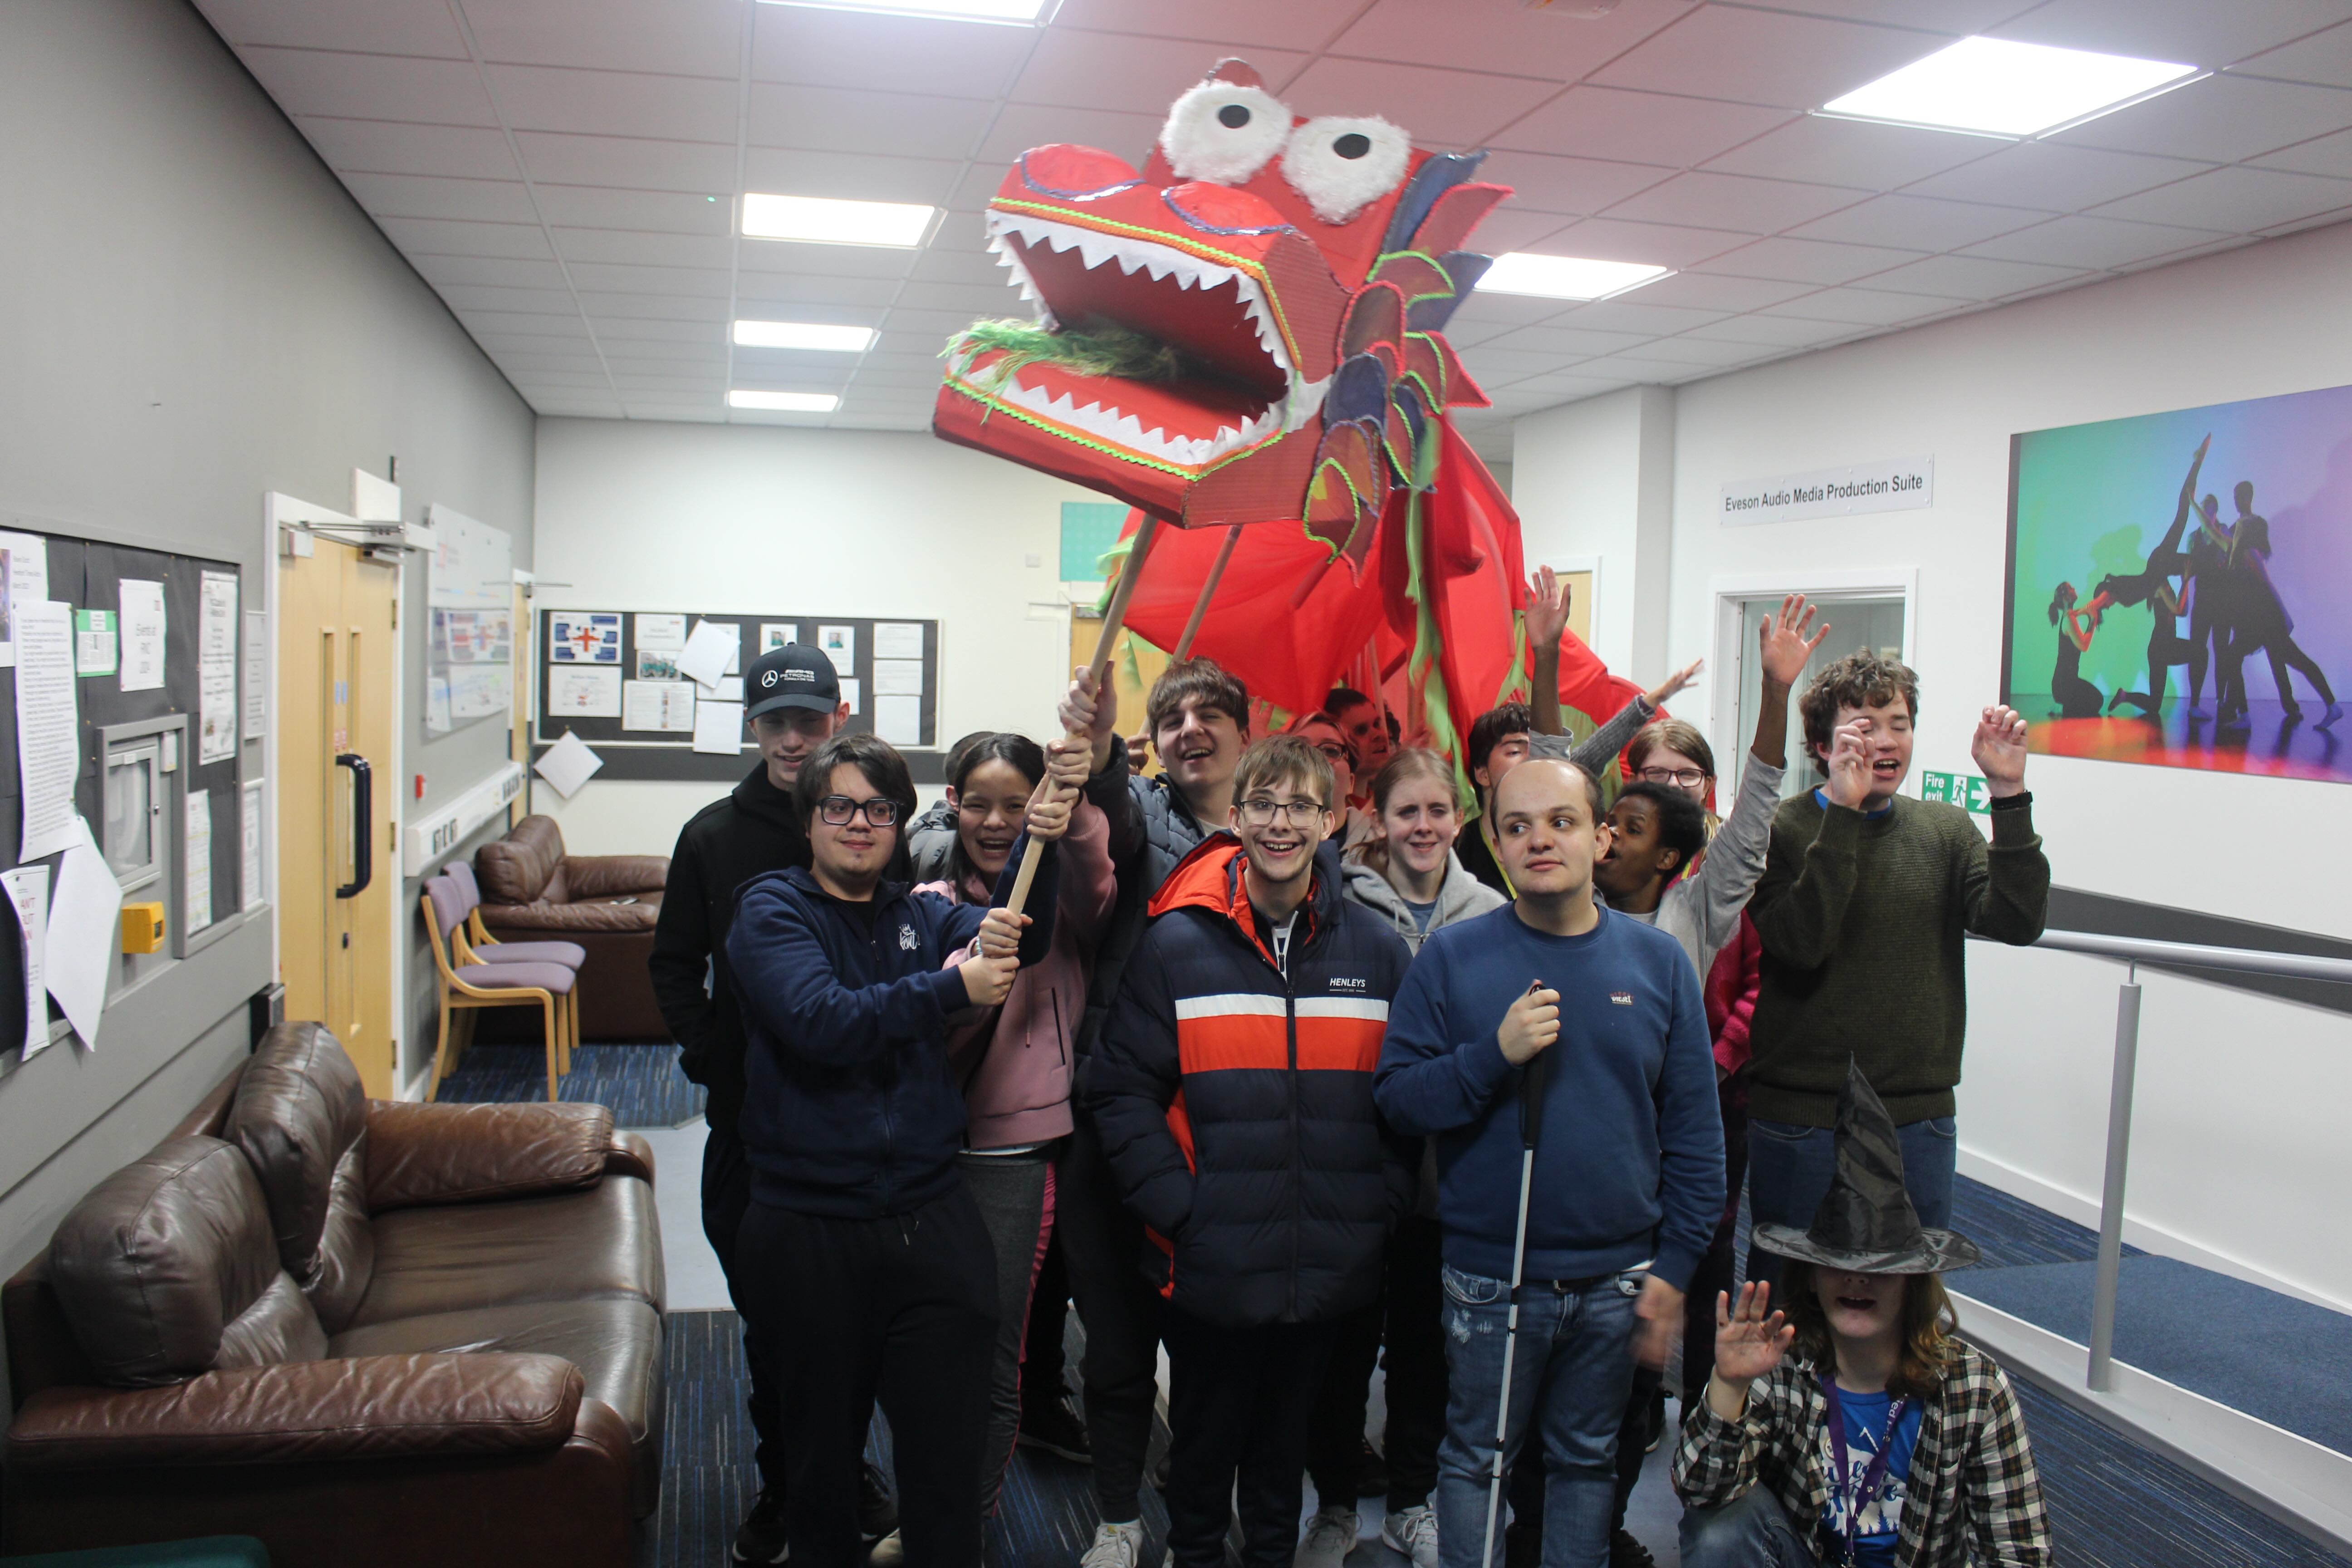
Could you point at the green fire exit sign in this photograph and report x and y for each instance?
(1964, 790)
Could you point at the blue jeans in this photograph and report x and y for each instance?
(1751, 1531)
(1789, 1171)
(1570, 1376)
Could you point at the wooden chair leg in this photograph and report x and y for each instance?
(575, 1020)
(569, 1011)
(442, 1061)
(548, 1003)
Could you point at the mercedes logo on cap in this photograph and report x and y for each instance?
(768, 679)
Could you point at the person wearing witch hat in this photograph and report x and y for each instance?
(1853, 1425)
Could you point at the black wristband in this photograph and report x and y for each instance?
(2017, 802)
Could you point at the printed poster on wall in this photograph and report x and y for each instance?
(24, 580)
(584, 637)
(216, 715)
(469, 658)
(142, 634)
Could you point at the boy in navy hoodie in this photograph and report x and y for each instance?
(862, 1257)
(1629, 1164)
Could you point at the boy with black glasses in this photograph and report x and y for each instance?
(1232, 1092)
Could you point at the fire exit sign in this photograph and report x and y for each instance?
(1965, 790)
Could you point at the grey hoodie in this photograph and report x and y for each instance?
(1702, 911)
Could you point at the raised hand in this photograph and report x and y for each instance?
(1084, 710)
(1849, 765)
(1676, 681)
(1049, 809)
(1548, 600)
(1781, 642)
(1748, 1343)
(1531, 1024)
(1998, 748)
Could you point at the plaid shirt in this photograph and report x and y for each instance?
(1974, 1497)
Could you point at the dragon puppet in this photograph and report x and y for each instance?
(1250, 331)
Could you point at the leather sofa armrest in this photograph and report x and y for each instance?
(421, 1154)
(629, 1155)
(365, 1407)
(608, 875)
(564, 920)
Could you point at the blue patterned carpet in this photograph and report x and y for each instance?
(641, 1083)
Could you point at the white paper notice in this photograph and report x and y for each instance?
(897, 677)
(217, 601)
(257, 674)
(567, 764)
(774, 634)
(85, 932)
(142, 634)
(196, 857)
(49, 725)
(216, 668)
(898, 639)
(658, 705)
(899, 720)
(28, 894)
(853, 695)
(584, 691)
(713, 650)
(731, 689)
(24, 580)
(840, 644)
(718, 728)
(249, 846)
(661, 631)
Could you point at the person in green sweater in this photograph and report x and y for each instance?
(1866, 898)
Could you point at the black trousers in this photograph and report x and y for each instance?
(1102, 1246)
(902, 1310)
(726, 1194)
(1409, 1312)
(1240, 1402)
(1043, 1366)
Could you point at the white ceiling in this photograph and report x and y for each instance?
(564, 172)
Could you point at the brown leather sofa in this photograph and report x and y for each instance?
(532, 891)
(369, 1333)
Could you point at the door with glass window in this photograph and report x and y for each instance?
(1874, 622)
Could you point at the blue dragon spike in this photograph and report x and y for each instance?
(1465, 268)
(1439, 174)
(1359, 390)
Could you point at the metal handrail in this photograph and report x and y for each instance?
(2133, 951)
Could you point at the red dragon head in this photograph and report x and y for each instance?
(1301, 271)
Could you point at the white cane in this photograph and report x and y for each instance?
(1531, 1093)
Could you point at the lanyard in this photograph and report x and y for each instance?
(1859, 1495)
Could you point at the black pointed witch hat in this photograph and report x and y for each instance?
(1866, 1223)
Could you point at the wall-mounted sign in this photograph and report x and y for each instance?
(1895, 484)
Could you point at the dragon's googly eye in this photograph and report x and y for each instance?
(1223, 132)
(1342, 163)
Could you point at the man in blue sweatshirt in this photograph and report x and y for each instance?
(862, 1261)
(1629, 1164)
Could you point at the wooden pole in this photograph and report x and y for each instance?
(1114, 617)
(1208, 591)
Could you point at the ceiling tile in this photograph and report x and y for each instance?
(426, 196)
(660, 212)
(1658, 244)
(2324, 59)
(1712, 353)
(1511, 39)
(1707, 291)
(1836, 151)
(800, 288)
(978, 185)
(580, 380)
(1514, 227)
(494, 322)
(790, 171)
(614, 103)
(826, 260)
(980, 300)
(896, 348)
(833, 120)
(1220, 24)
(1573, 185)
(1639, 127)
(534, 365)
(1500, 367)
(1916, 223)
(365, 27)
(1777, 331)
(2221, 118)
(558, 404)
(1971, 278)
(1571, 342)
(937, 323)
(1956, 17)
(1503, 311)
(391, 147)
(1807, 260)
(622, 278)
(960, 266)
(1628, 314)
(1765, 57)
(1075, 69)
(1734, 201)
(676, 37)
(707, 168)
(642, 358)
(2240, 200)
(2053, 176)
(1646, 372)
(632, 248)
(533, 343)
(2194, 32)
(1021, 126)
(435, 236)
(1544, 391)
(2321, 155)
(371, 86)
(600, 305)
(2079, 241)
(622, 329)
(1438, 109)
(823, 48)
(499, 271)
(1860, 308)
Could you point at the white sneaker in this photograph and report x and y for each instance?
(1414, 1533)
(1115, 1546)
(1330, 1536)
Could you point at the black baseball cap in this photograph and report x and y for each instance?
(793, 676)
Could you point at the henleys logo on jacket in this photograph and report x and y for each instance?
(1350, 983)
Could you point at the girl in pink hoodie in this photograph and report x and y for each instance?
(1015, 1061)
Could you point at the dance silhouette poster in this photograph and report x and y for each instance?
(2179, 587)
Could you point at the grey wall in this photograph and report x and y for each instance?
(192, 311)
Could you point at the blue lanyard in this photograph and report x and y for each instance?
(1858, 1495)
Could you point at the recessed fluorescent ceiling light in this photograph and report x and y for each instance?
(786, 402)
(825, 221)
(1565, 276)
(803, 336)
(1997, 87)
(961, 10)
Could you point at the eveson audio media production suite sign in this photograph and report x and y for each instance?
(1895, 485)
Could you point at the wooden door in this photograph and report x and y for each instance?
(519, 716)
(337, 703)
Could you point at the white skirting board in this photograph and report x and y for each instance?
(426, 839)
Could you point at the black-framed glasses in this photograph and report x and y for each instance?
(1687, 778)
(836, 810)
(1260, 811)
(1337, 751)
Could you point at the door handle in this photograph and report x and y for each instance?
(362, 825)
